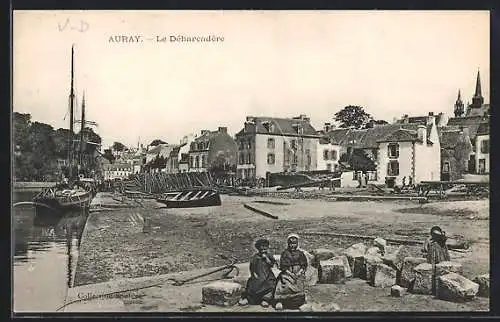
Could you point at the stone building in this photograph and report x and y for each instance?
(211, 148)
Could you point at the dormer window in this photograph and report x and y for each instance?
(268, 126)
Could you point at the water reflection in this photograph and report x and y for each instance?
(45, 255)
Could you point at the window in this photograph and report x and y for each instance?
(333, 154)
(270, 143)
(293, 144)
(250, 143)
(393, 168)
(249, 158)
(485, 146)
(329, 167)
(242, 158)
(270, 158)
(197, 162)
(393, 150)
(202, 161)
(325, 154)
(446, 167)
(295, 159)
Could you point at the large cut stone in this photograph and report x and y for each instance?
(323, 254)
(484, 285)
(395, 256)
(371, 263)
(380, 243)
(222, 293)
(241, 279)
(423, 279)
(398, 291)
(332, 271)
(355, 256)
(444, 268)
(312, 274)
(347, 268)
(454, 287)
(385, 276)
(407, 271)
(375, 251)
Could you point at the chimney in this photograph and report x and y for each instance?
(203, 132)
(250, 119)
(222, 129)
(465, 131)
(327, 127)
(431, 118)
(422, 133)
(405, 119)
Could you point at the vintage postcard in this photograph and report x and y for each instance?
(251, 161)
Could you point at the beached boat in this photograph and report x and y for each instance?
(62, 200)
(190, 198)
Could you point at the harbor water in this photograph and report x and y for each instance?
(45, 255)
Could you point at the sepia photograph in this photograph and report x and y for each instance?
(250, 161)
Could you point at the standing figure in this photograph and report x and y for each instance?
(290, 287)
(410, 182)
(436, 251)
(404, 182)
(260, 286)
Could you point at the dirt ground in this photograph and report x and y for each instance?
(114, 245)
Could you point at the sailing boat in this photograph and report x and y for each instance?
(63, 197)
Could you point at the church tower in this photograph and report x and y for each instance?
(477, 99)
(459, 106)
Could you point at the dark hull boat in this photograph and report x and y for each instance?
(62, 201)
(192, 198)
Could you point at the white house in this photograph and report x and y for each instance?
(402, 151)
(483, 149)
(117, 171)
(328, 155)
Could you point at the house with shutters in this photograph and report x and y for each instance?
(212, 148)
(328, 153)
(271, 145)
(406, 151)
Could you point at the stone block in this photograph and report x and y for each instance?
(385, 276)
(241, 279)
(371, 263)
(407, 271)
(380, 243)
(395, 256)
(323, 254)
(222, 293)
(359, 246)
(484, 285)
(332, 271)
(423, 279)
(347, 268)
(312, 273)
(454, 287)
(397, 291)
(355, 257)
(444, 268)
(375, 251)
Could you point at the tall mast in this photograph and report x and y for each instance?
(71, 116)
(81, 129)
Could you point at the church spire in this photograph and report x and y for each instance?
(459, 106)
(477, 100)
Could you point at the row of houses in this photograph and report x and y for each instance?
(411, 149)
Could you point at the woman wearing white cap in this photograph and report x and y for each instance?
(290, 287)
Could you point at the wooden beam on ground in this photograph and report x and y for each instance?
(374, 197)
(260, 211)
(307, 184)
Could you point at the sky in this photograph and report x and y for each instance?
(270, 63)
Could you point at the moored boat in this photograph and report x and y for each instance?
(62, 200)
(190, 198)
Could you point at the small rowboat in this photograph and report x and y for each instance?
(190, 198)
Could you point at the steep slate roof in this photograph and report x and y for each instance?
(282, 126)
(484, 128)
(471, 122)
(369, 138)
(449, 139)
(400, 135)
(478, 111)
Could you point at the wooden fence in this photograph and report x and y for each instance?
(162, 182)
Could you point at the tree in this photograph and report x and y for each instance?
(356, 117)
(352, 115)
(358, 161)
(108, 155)
(156, 142)
(117, 146)
(461, 152)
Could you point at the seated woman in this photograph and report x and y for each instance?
(290, 287)
(260, 286)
